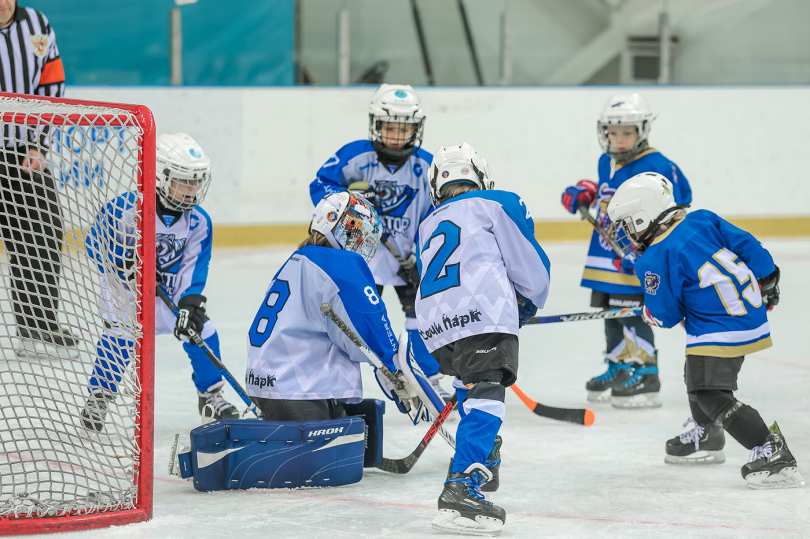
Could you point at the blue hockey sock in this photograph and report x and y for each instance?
(484, 411)
(423, 358)
(112, 357)
(205, 373)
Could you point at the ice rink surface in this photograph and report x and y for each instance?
(557, 479)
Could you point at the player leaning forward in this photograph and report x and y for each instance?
(478, 259)
(183, 245)
(701, 270)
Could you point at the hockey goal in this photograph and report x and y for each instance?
(61, 163)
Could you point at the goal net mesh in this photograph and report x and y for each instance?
(63, 306)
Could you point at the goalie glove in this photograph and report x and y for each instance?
(190, 316)
(769, 286)
(403, 396)
(408, 271)
(364, 190)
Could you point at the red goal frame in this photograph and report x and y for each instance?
(144, 471)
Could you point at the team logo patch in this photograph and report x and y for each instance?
(465, 171)
(445, 174)
(417, 170)
(40, 44)
(400, 93)
(195, 152)
(651, 282)
(331, 216)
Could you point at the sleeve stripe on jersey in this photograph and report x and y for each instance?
(52, 72)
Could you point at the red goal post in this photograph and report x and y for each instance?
(55, 473)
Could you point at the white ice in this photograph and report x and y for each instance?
(557, 479)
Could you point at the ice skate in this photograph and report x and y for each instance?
(493, 464)
(703, 444)
(640, 390)
(599, 387)
(213, 405)
(95, 410)
(46, 344)
(771, 465)
(462, 507)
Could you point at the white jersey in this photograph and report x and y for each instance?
(294, 351)
(475, 250)
(403, 196)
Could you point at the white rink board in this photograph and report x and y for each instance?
(744, 149)
(557, 480)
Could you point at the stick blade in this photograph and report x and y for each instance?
(398, 466)
(580, 416)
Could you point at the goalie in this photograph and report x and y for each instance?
(183, 246)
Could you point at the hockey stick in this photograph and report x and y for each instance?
(580, 416)
(198, 340)
(327, 310)
(627, 312)
(611, 241)
(404, 465)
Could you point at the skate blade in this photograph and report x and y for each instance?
(599, 396)
(644, 400)
(451, 521)
(788, 477)
(697, 458)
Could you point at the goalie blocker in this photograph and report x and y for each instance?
(238, 454)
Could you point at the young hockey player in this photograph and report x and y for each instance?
(720, 282)
(301, 366)
(183, 245)
(389, 169)
(632, 374)
(483, 276)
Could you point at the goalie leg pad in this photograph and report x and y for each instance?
(249, 453)
(371, 412)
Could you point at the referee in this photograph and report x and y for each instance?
(30, 216)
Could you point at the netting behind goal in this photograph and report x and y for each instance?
(76, 314)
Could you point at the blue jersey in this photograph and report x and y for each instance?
(704, 271)
(475, 251)
(601, 273)
(403, 196)
(294, 351)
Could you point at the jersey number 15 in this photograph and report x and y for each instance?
(710, 275)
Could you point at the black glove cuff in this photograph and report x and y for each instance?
(197, 301)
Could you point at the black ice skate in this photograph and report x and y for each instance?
(640, 390)
(462, 507)
(702, 444)
(771, 465)
(599, 386)
(35, 343)
(213, 405)
(95, 410)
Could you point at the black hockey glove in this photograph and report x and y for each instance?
(526, 309)
(126, 269)
(366, 191)
(190, 316)
(408, 271)
(770, 289)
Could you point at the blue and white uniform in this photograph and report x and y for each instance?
(294, 351)
(403, 195)
(704, 271)
(183, 253)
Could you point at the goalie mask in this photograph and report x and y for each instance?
(183, 172)
(395, 122)
(456, 165)
(349, 222)
(641, 207)
(625, 110)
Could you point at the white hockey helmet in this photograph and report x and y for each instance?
(395, 103)
(182, 167)
(640, 206)
(629, 109)
(349, 222)
(457, 164)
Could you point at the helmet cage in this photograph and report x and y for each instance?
(407, 143)
(182, 178)
(349, 222)
(642, 128)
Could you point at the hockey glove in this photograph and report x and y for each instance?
(526, 309)
(650, 319)
(126, 269)
(364, 190)
(402, 397)
(626, 264)
(190, 316)
(769, 286)
(584, 192)
(408, 271)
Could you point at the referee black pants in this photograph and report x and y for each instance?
(31, 229)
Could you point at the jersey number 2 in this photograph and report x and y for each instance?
(267, 316)
(438, 277)
(711, 276)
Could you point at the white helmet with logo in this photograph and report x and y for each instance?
(395, 103)
(349, 222)
(183, 171)
(457, 164)
(631, 110)
(640, 206)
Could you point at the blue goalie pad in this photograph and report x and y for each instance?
(371, 411)
(250, 453)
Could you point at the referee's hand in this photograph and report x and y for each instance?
(34, 160)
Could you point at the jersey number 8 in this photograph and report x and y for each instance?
(266, 318)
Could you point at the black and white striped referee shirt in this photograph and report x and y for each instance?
(29, 64)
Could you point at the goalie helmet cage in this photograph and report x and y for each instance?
(55, 474)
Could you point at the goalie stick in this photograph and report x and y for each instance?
(330, 313)
(198, 340)
(627, 312)
(580, 416)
